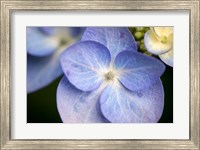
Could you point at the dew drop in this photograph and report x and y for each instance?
(83, 98)
(121, 35)
(68, 72)
(75, 66)
(76, 108)
(139, 94)
(132, 105)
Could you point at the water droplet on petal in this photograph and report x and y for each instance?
(83, 98)
(139, 94)
(76, 108)
(132, 105)
(121, 35)
(67, 73)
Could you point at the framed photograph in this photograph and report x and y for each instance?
(99, 74)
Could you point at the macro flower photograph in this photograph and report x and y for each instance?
(99, 74)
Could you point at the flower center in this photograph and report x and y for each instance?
(164, 39)
(63, 41)
(109, 75)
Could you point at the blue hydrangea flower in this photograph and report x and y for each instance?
(107, 80)
(44, 45)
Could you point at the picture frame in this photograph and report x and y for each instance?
(8, 7)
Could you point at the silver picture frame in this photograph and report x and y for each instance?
(9, 6)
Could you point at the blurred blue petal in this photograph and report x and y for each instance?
(38, 43)
(83, 62)
(120, 105)
(116, 39)
(42, 71)
(47, 30)
(43, 65)
(76, 31)
(73, 32)
(138, 71)
(75, 106)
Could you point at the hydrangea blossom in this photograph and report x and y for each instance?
(159, 41)
(44, 45)
(107, 80)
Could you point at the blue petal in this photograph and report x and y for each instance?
(83, 64)
(40, 44)
(75, 106)
(120, 105)
(137, 71)
(41, 71)
(114, 38)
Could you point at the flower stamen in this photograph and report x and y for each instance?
(109, 75)
(63, 41)
(164, 39)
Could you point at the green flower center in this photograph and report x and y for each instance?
(63, 41)
(164, 39)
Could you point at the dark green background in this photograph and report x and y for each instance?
(41, 105)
